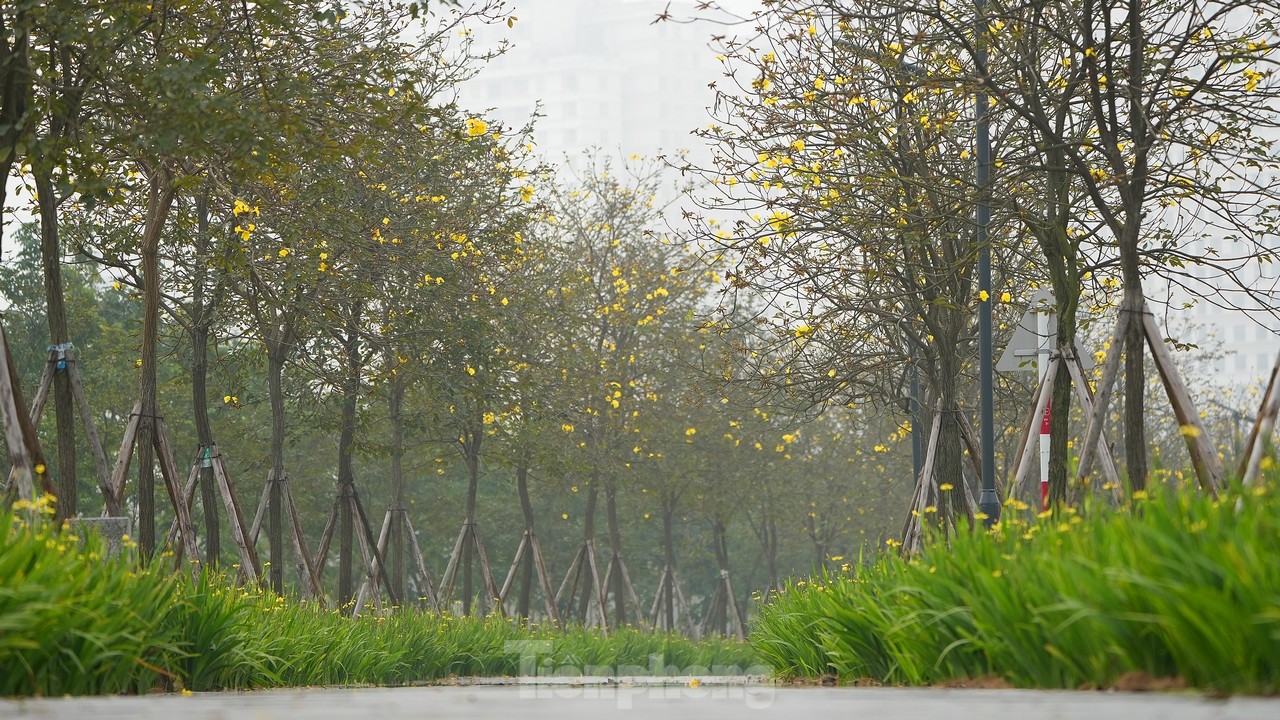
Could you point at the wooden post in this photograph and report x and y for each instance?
(100, 466)
(433, 598)
(1263, 426)
(169, 470)
(1204, 457)
(1085, 396)
(911, 530)
(248, 553)
(19, 431)
(306, 570)
(125, 457)
(544, 580)
(1093, 427)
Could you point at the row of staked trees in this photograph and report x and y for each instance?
(277, 245)
(846, 194)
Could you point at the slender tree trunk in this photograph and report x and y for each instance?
(471, 451)
(526, 507)
(201, 322)
(346, 459)
(159, 202)
(275, 502)
(15, 93)
(669, 557)
(204, 434)
(588, 536)
(950, 453)
(615, 544)
(1134, 400)
(55, 305)
(395, 402)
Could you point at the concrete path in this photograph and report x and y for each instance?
(705, 702)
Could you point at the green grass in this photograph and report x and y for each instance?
(74, 622)
(1185, 587)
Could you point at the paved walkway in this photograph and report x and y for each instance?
(705, 702)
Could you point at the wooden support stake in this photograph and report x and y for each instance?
(451, 569)
(249, 563)
(321, 559)
(379, 567)
(188, 497)
(574, 568)
(491, 586)
(544, 579)
(100, 466)
(1098, 418)
(42, 390)
(306, 570)
(1204, 457)
(19, 431)
(1263, 426)
(125, 457)
(433, 598)
(169, 470)
(1085, 397)
(911, 530)
(515, 565)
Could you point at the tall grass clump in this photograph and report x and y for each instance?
(1179, 586)
(75, 621)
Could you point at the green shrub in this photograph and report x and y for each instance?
(1182, 586)
(74, 622)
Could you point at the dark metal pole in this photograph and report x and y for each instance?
(988, 502)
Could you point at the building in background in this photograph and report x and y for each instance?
(1237, 332)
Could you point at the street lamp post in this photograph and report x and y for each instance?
(988, 502)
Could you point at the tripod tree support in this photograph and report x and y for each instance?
(19, 432)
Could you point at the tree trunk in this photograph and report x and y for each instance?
(346, 459)
(588, 538)
(471, 453)
(159, 202)
(15, 93)
(275, 526)
(395, 402)
(1135, 441)
(63, 401)
(949, 462)
(615, 561)
(201, 322)
(669, 557)
(526, 507)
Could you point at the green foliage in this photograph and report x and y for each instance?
(1181, 586)
(74, 622)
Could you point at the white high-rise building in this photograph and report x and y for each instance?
(1240, 329)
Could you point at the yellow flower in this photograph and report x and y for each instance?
(471, 370)
(983, 295)
(476, 127)
(284, 252)
(691, 432)
(1005, 297)
(526, 193)
(1189, 431)
(946, 486)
